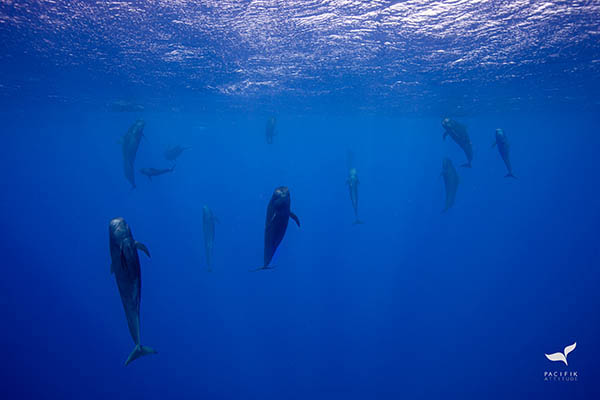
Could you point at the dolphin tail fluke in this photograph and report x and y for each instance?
(139, 351)
(466, 165)
(510, 175)
(262, 268)
(358, 222)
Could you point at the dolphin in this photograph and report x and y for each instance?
(458, 133)
(125, 264)
(278, 215)
(150, 172)
(270, 130)
(504, 150)
(353, 183)
(451, 181)
(130, 143)
(125, 106)
(208, 226)
(173, 153)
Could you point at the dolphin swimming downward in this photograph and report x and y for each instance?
(125, 264)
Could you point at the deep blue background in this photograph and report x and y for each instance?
(412, 304)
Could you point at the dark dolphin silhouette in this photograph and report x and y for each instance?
(278, 215)
(208, 226)
(130, 143)
(451, 181)
(173, 153)
(353, 183)
(125, 264)
(458, 133)
(504, 150)
(150, 172)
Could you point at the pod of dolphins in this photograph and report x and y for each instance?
(125, 261)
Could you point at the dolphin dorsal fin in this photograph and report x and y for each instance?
(142, 247)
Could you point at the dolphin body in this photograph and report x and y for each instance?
(451, 181)
(458, 133)
(278, 215)
(270, 130)
(353, 183)
(208, 226)
(504, 150)
(125, 265)
(173, 153)
(150, 172)
(130, 143)
(125, 106)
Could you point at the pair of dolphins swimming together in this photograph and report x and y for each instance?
(125, 261)
(459, 134)
(130, 142)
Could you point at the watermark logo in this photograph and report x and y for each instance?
(561, 376)
(562, 356)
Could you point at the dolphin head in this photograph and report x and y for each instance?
(500, 134)
(118, 229)
(281, 197)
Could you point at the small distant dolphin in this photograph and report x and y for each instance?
(353, 183)
(208, 226)
(130, 143)
(174, 152)
(278, 215)
(451, 181)
(458, 133)
(270, 130)
(150, 172)
(125, 264)
(125, 106)
(504, 150)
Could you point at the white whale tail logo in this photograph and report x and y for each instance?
(560, 356)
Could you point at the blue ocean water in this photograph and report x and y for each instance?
(414, 303)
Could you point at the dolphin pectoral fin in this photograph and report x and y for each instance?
(295, 218)
(494, 144)
(139, 351)
(444, 135)
(510, 175)
(150, 178)
(142, 247)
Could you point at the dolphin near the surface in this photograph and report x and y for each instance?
(150, 172)
(125, 264)
(458, 133)
(125, 106)
(278, 215)
(130, 143)
(173, 153)
(504, 150)
(270, 130)
(208, 227)
(451, 181)
(353, 183)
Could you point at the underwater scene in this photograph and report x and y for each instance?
(320, 199)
